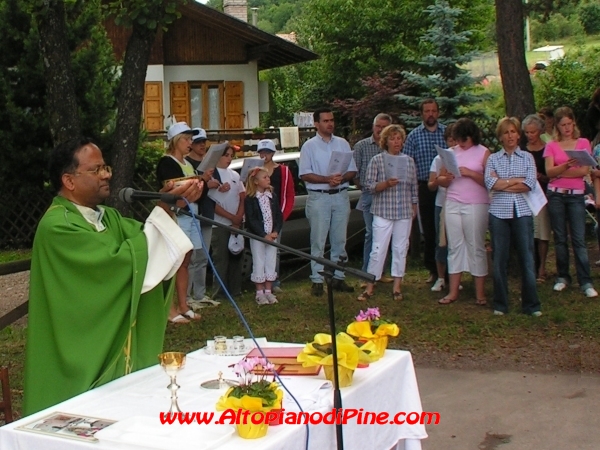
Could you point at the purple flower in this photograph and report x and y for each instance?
(362, 316)
(373, 313)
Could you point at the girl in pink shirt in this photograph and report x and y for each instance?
(566, 201)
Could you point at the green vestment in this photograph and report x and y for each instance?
(88, 321)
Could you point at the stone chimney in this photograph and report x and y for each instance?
(236, 8)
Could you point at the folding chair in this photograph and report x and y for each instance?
(6, 403)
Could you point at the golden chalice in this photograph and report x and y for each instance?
(172, 362)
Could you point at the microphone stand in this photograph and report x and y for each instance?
(329, 267)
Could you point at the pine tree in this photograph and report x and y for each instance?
(442, 77)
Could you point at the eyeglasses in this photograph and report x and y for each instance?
(100, 170)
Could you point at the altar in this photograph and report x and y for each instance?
(136, 401)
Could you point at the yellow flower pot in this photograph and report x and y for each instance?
(252, 431)
(344, 373)
(381, 343)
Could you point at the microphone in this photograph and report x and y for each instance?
(129, 195)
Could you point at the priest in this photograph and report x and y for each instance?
(98, 299)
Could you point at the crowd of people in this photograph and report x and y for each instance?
(80, 244)
(454, 209)
(494, 192)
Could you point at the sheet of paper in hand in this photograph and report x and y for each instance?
(448, 160)
(212, 157)
(536, 199)
(396, 166)
(339, 163)
(582, 156)
(249, 164)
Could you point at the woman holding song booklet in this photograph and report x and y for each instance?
(466, 212)
(566, 200)
(392, 180)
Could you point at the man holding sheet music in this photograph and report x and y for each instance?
(420, 146)
(326, 167)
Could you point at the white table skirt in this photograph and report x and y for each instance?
(387, 385)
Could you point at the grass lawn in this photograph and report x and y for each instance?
(460, 335)
(14, 255)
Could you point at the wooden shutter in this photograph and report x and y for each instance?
(153, 107)
(180, 101)
(234, 105)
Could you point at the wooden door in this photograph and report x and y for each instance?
(180, 101)
(234, 105)
(153, 106)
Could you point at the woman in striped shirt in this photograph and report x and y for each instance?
(394, 206)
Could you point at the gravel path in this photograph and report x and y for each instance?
(14, 290)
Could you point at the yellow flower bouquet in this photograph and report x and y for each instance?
(370, 327)
(255, 396)
(320, 353)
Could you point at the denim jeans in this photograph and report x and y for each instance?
(366, 199)
(327, 215)
(563, 209)
(520, 231)
(197, 268)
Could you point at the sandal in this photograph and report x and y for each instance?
(541, 280)
(446, 301)
(192, 315)
(178, 320)
(397, 296)
(481, 302)
(364, 296)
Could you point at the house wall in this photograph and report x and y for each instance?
(246, 73)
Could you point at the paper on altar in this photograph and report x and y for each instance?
(449, 160)
(308, 391)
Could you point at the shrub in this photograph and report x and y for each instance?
(569, 82)
(589, 16)
(558, 27)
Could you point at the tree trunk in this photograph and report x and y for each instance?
(129, 115)
(516, 82)
(61, 100)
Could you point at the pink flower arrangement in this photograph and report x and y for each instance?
(259, 387)
(369, 315)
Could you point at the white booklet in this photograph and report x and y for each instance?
(396, 166)
(249, 164)
(582, 156)
(448, 160)
(65, 425)
(212, 157)
(339, 163)
(536, 199)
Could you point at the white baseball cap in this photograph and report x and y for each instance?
(178, 128)
(266, 144)
(199, 134)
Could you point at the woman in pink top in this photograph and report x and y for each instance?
(566, 200)
(466, 211)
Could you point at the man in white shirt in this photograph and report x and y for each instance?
(328, 205)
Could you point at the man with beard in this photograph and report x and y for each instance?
(420, 145)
